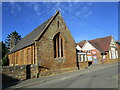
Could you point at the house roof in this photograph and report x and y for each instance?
(102, 44)
(81, 43)
(34, 35)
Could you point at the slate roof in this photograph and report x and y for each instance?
(30, 38)
(102, 44)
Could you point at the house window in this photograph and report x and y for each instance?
(116, 54)
(85, 57)
(113, 53)
(58, 46)
(88, 51)
(110, 54)
(81, 58)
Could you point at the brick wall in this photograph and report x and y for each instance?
(108, 60)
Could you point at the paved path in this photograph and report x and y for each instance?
(97, 76)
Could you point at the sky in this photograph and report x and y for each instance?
(85, 20)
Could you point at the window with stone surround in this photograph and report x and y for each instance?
(58, 46)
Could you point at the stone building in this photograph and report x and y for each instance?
(50, 45)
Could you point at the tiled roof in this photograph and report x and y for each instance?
(102, 44)
(81, 43)
(30, 38)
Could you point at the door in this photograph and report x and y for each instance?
(95, 61)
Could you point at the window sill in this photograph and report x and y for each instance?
(60, 60)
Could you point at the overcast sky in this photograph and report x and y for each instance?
(85, 20)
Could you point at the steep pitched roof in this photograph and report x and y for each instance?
(81, 43)
(102, 44)
(31, 37)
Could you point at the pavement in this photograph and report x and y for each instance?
(62, 76)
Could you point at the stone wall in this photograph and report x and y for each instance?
(23, 72)
(45, 47)
(20, 72)
(13, 73)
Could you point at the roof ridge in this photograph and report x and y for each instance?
(100, 38)
(29, 39)
(51, 19)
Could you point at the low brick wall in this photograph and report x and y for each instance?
(112, 61)
(109, 61)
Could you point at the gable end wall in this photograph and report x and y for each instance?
(45, 47)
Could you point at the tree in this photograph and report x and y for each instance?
(3, 56)
(12, 39)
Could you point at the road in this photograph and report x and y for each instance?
(107, 77)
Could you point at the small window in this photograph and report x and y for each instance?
(85, 58)
(58, 23)
(81, 58)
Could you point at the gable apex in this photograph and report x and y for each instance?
(34, 35)
(47, 25)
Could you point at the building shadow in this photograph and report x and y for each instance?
(77, 62)
(40, 69)
(8, 81)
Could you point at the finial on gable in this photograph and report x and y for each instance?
(57, 11)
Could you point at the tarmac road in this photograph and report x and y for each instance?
(107, 77)
(96, 76)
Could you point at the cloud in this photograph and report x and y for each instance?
(19, 8)
(88, 14)
(78, 9)
(14, 8)
(12, 11)
(36, 9)
(35, 6)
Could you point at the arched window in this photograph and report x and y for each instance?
(58, 46)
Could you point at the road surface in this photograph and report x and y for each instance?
(107, 77)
